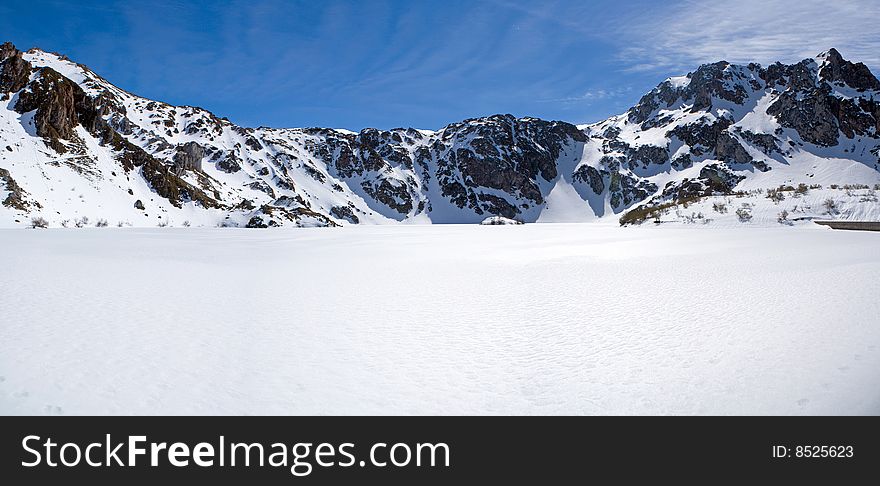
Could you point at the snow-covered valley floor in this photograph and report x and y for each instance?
(534, 319)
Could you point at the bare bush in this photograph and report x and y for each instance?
(720, 208)
(694, 218)
(830, 206)
(39, 222)
(744, 213)
(775, 195)
(102, 223)
(782, 217)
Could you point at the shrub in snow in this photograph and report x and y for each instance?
(186, 224)
(830, 206)
(499, 220)
(782, 217)
(642, 213)
(102, 223)
(694, 218)
(775, 195)
(163, 224)
(39, 222)
(720, 208)
(744, 213)
(802, 189)
(84, 221)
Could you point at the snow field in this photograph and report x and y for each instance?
(440, 319)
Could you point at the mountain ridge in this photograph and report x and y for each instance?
(720, 130)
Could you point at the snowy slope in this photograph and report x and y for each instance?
(599, 320)
(721, 130)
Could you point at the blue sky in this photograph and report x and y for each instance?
(354, 64)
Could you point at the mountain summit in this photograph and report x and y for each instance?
(75, 149)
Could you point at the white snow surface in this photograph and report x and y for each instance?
(440, 319)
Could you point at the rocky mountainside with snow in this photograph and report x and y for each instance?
(725, 129)
(76, 150)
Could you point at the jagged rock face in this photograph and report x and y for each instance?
(615, 174)
(189, 157)
(501, 153)
(592, 177)
(229, 164)
(703, 136)
(14, 71)
(626, 190)
(54, 98)
(504, 153)
(16, 198)
(811, 105)
(766, 142)
(728, 149)
(714, 179)
(812, 116)
(838, 70)
(718, 81)
(273, 216)
(375, 162)
(344, 212)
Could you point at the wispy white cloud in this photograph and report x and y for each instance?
(692, 32)
(591, 96)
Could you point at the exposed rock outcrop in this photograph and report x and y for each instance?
(189, 157)
(14, 71)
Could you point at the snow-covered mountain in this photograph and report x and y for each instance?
(745, 130)
(77, 150)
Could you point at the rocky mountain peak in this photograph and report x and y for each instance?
(7, 49)
(14, 71)
(698, 90)
(833, 68)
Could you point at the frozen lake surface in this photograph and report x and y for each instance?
(534, 319)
